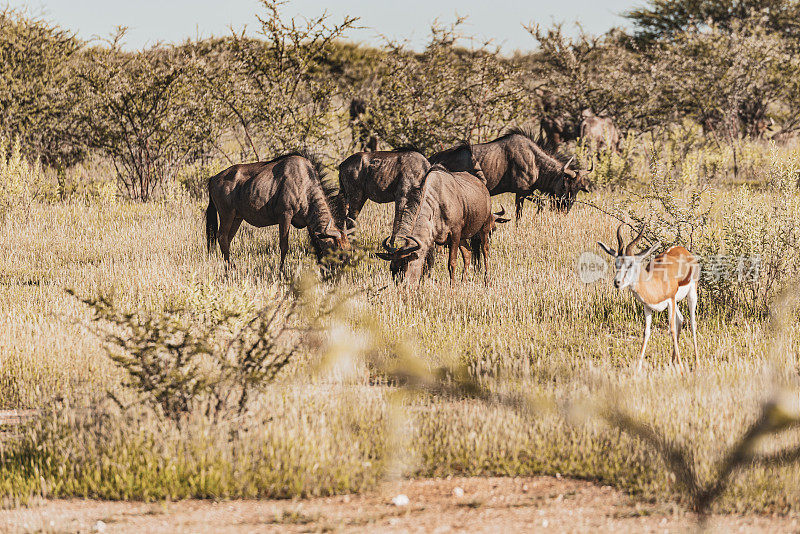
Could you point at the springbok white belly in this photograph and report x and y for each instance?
(661, 306)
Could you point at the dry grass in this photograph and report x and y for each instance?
(537, 328)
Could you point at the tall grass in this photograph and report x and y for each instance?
(536, 330)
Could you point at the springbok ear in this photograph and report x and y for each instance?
(649, 250)
(609, 251)
(385, 256)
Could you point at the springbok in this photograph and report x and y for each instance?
(661, 284)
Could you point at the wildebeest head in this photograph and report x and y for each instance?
(400, 258)
(411, 248)
(331, 239)
(574, 181)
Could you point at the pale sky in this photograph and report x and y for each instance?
(151, 21)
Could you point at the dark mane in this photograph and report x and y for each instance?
(408, 219)
(308, 154)
(314, 158)
(524, 131)
(408, 148)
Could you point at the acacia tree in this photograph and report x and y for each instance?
(147, 114)
(272, 91)
(605, 73)
(445, 94)
(726, 79)
(664, 19)
(38, 94)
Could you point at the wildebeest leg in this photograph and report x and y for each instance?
(355, 205)
(237, 222)
(485, 244)
(466, 257)
(224, 236)
(452, 264)
(519, 202)
(283, 230)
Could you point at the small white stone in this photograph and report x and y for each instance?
(458, 492)
(100, 526)
(545, 523)
(401, 500)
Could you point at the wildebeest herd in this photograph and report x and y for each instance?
(444, 199)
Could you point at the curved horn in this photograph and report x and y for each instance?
(387, 246)
(566, 165)
(629, 248)
(330, 231)
(353, 228)
(413, 248)
(501, 212)
(620, 241)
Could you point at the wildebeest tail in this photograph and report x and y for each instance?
(476, 247)
(212, 225)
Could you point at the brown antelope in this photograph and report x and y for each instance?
(661, 284)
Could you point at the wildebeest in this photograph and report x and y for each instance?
(554, 130)
(284, 191)
(384, 176)
(555, 126)
(514, 163)
(449, 208)
(363, 136)
(600, 132)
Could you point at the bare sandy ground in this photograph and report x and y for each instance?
(540, 504)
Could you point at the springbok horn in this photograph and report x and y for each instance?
(629, 248)
(620, 241)
(566, 165)
(501, 212)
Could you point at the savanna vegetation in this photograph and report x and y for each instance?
(155, 372)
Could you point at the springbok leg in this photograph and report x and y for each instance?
(692, 300)
(673, 329)
(648, 320)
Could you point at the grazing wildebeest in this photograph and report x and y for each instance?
(600, 132)
(449, 208)
(555, 126)
(384, 176)
(554, 130)
(285, 191)
(514, 163)
(363, 136)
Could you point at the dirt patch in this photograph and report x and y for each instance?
(434, 505)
